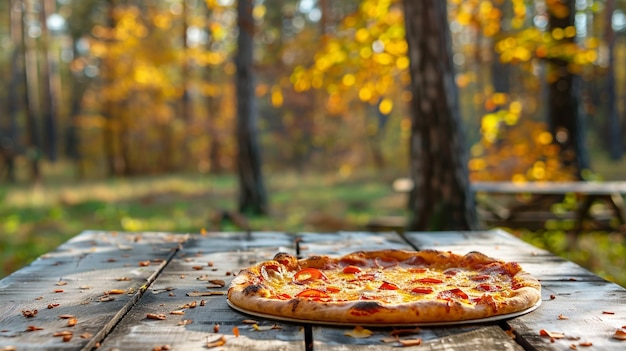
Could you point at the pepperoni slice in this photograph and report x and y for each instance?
(429, 281)
(388, 286)
(422, 290)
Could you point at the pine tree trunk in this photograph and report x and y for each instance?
(441, 198)
(566, 122)
(252, 195)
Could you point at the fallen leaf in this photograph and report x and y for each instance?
(359, 332)
(157, 316)
(236, 331)
(115, 292)
(72, 322)
(552, 335)
(410, 342)
(620, 334)
(216, 343)
(264, 327)
(29, 313)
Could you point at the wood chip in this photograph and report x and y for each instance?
(61, 283)
(185, 322)
(607, 312)
(249, 321)
(123, 279)
(219, 282)
(106, 298)
(86, 335)
(52, 305)
(157, 316)
(216, 328)
(33, 328)
(585, 343)
(221, 341)
(72, 322)
(144, 263)
(236, 331)
(177, 312)
(197, 268)
(62, 333)
(562, 317)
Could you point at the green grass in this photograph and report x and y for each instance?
(35, 220)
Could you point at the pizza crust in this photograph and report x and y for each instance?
(269, 288)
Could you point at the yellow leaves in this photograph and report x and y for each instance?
(359, 332)
(385, 106)
(276, 97)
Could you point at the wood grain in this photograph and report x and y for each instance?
(76, 280)
(213, 257)
(574, 299)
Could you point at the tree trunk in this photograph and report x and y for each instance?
(252, 195)
(566, 122)
(9, 139)
(613, 125)
(31, 97)
(50, 76)
(441, 198)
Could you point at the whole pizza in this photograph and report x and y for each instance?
(386, 287)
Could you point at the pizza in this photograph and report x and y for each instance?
(385, 287)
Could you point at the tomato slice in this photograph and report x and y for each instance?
(388, 286)
(313, 294)
(422, 290)
(430, 281)
(309, 274)
(351, 269)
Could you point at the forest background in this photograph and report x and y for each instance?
(121, 115)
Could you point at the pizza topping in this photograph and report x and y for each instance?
(388, 286)
(309, 274)
(313, 294)
(429, 281)
(351, 269)
(487, 287)
(453, 293)
(480, 277)
(422, 290)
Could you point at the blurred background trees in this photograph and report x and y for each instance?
(124, 87)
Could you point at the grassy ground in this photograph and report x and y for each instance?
(34, 220)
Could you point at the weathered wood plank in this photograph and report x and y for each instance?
(214, 257)
(95, 277)
(567, 290)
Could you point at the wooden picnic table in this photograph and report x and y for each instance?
(588, 192)
(98, 289)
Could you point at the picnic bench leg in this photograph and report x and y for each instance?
(617, 203)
